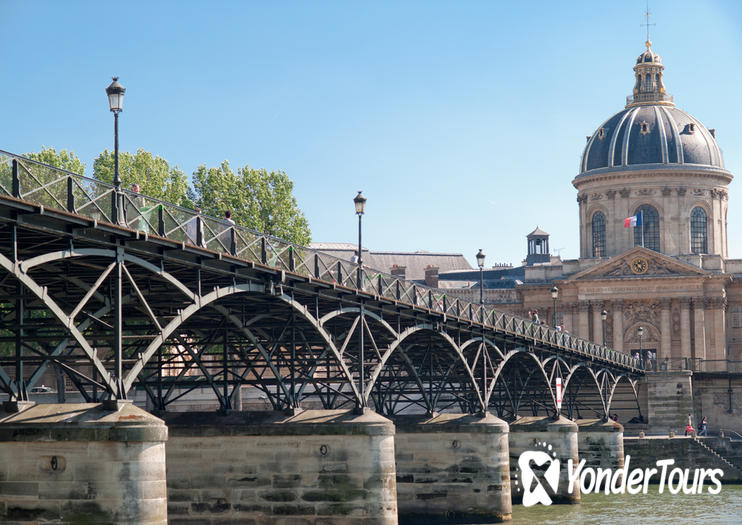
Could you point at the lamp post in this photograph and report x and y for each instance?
(604, 316)
(640, 331)
(554, 295)
(480, 262)
(115, 94)
(360, 202)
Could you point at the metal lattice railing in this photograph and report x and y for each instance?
(51, 187)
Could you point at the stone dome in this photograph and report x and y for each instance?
(650, 132)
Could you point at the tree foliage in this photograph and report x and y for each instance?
(63, 159)
(259, 199)
(154, 175)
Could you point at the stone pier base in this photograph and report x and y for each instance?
(558, 439)
(452, 468)
(78, 463)
(601, 443)
(319, 466)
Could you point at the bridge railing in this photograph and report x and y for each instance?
(56, 188)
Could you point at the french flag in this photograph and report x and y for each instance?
(634, 220)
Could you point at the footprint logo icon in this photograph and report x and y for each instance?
(537, 494)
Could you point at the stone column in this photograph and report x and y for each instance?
(538, 434)
(452, 468)
(618, 325)
(717, 324)
(569, 317)
(685, 350)
(318, 466)
(583, 324)
(665, 329)
(597, 336)
(79, 463)
(699, 336)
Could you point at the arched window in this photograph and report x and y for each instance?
(599, 234)
(736, 317)
(698, 237)
(648, 234)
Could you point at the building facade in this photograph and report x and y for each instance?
(665, 286)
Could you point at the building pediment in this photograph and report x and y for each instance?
(639, 263)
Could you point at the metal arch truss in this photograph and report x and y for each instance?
(112, 310)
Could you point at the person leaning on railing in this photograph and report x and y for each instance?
(193, 226)
(132, 210)
(225, 231)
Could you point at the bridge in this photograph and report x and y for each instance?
(118, 290)
(376, 383)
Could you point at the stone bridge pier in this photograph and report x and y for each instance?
(557, 438)
(82, 463)
(317, 466)
(452, 468)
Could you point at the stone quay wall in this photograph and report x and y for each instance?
(645, 452)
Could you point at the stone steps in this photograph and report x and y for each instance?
(713, 452)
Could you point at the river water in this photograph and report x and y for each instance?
(650, 508)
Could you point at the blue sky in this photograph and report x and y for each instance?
(462, 122)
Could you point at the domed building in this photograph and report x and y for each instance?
(654, 160)
(653, 277)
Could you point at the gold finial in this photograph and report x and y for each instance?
(648, 43)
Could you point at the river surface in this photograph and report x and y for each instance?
(650, 508)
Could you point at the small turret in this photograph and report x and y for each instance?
(538, 247)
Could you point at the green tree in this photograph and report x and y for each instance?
(66, 160)
(154, 175)
(258, 199)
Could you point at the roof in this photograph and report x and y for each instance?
(538, 232)
(651, 134)
(414, 262)
(329, 246)
(493, 278)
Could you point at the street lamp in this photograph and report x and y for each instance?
(604, 316)
(554, 295)
(640, 331)
(115, 94)
(480, 262)
(360, 202)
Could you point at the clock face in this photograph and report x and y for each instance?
(639, 265)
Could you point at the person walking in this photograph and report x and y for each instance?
(703, 427)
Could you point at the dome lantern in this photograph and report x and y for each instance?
(648, 86)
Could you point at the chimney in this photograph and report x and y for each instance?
(431, 276)
(398, 271)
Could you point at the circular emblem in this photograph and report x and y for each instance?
(639, 265)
